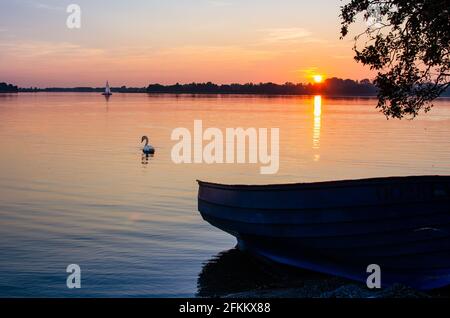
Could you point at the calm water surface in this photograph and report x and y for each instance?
(74, 187)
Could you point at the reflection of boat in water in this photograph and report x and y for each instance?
(237, 274)
(401, 224)
(107, 93)
(234, 272)
(229, 272)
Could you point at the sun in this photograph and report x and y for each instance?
(318, 78)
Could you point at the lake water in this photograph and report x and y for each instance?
(74, 188)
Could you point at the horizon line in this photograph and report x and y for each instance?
(193, 82)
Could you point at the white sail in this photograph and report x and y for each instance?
(107, 89)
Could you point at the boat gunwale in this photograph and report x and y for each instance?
(350, 183)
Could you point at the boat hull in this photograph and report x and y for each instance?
(401, 224)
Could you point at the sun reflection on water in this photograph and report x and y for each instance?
(317, 124)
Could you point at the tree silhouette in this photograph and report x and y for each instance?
(407, 42)
(330, 87)
(8, 88)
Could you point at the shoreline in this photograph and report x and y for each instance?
(203, 94)
(209, 94)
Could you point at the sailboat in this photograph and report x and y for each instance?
(107, 90)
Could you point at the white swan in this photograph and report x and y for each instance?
(148, 149)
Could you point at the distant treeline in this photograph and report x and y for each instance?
(330, 87)
(8, 88)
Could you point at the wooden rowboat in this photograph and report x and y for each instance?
(401, 224)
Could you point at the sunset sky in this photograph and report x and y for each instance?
(138, 42)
